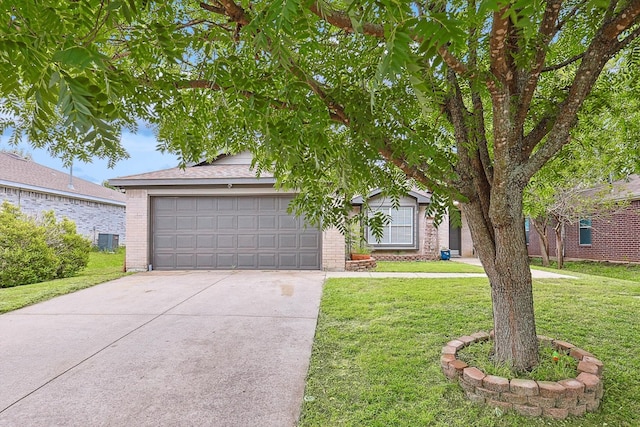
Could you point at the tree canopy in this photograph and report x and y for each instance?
(468, 98)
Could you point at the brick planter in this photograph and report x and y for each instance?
(557, 400)
(360, 265)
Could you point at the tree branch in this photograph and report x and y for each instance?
(563, 63)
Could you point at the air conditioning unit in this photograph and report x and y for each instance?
(108, 242)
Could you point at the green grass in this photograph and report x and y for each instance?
(102, 267)
(376, 355)
(427, 267)
(605, 269)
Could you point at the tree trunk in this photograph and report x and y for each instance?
(506, 263)
(559, 231)
(541, 230)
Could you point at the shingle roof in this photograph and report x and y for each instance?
(16, 171)
(628, 188)
(201, 174)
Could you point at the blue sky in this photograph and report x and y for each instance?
(141, 148)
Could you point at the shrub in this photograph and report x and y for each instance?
(25, 256)
(35, 251)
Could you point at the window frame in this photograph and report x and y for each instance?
(387, 210)
(583, 226)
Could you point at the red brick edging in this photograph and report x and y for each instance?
(360, 265)
(558, 400)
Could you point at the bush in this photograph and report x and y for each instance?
(32, 251)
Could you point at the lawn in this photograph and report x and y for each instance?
(427, 267)
(102, 267)
(606, 269)
(376, 355)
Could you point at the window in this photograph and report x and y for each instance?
(400, 229)
(585, 231)
(527, 229)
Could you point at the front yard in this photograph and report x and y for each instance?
(376, 356)
(102, 267)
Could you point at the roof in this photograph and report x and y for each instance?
(18, 172)
(423, 197)
(223, 170)
(624, 189)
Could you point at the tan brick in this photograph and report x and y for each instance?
(523, 387)
(480, 336)
(450, 373)
(578, 353)
(587, 397)
(467, 386)
(551, 389)
(514, 398)
(572, 387)
(475, 398)
(578, 411)
(473, 376)
(458, 365)
(593, 406)
(446, 358)
(499, 384)
(543, 402)
(467, 340)
(596, 362)
(545, 341)
(567, 402)
(447, 349)
(590, 381)
(563, 345)
(528, 411)
(457, 344)
(489, 394)
(555, 413)
(589, 368)
(505, 406)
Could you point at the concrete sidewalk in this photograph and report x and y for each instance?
(163, 349)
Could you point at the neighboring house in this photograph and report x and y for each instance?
(35, 188)
(411, 234)
(219, 215)
(614, 237)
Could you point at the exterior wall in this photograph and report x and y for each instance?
(91, 218)
(616, 238)
(138, 230)
(467, 249)
(333, 250)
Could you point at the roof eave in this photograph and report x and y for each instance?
(172, 182)
(61, 193)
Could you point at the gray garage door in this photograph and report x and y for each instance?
(231, 233)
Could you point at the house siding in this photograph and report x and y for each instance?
(91, 217)
(616, 238)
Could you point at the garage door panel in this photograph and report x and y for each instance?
(247, 241)
(244, 232)
(227, 222)
(309, 241)
(247, 261)
(226, 241)
(226, 261)
(309, 260)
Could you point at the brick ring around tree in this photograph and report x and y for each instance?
(557, 400)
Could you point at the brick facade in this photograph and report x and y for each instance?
(91, 217)
(615, 238)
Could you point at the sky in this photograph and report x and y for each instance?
(141, 148)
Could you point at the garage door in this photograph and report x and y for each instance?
(231, 233)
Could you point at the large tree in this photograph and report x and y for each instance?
(468, 98)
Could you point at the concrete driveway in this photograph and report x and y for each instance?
(163, 349)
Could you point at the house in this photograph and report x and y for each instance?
(411, 234)
(220, 215)
(614, 237)
(35, 188)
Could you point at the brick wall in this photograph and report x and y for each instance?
(616, 238)
(138, 229)
(91, 218)
(333, 250)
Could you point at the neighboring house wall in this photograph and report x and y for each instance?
(615, 238)
(467, 249)
(91, 217)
